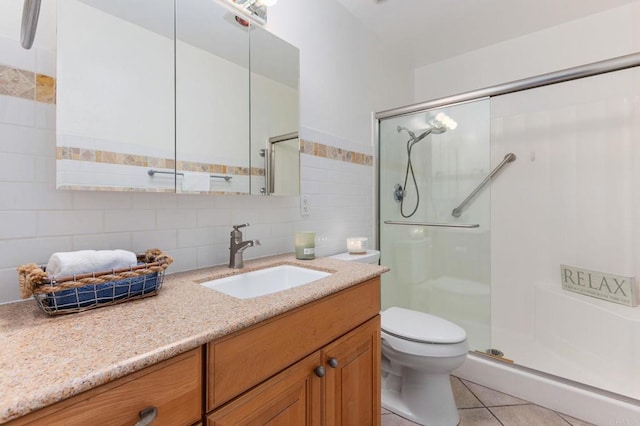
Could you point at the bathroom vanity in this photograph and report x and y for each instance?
(308, 355)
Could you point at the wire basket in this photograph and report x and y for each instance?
(64, 295)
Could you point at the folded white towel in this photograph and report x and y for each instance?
(65, 264)
(196, 182)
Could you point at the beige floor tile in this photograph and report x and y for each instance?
(393, 420)
(574, 422)
(527, 415)
(492, 398)
(463, 396)
(477, 417)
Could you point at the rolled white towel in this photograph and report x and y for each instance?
(64, 264)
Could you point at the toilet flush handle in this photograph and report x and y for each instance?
(333, 363)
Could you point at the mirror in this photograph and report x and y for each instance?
(274, 112)
(115, 94)
(146, 103)
(282, 165)
(212, 99)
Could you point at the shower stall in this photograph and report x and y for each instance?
(479, 220)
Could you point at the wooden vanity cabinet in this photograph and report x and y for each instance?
(173, 387)
(316, 365)
(352, 381)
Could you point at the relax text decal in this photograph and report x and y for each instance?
(613, 288)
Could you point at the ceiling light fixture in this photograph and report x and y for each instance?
(257, 9)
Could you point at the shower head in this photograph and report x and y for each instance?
(440, 124)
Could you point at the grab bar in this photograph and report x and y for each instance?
(442, 225)
(152, 172)
(507, 159)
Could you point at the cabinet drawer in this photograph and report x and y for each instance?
(174, 387)
(242, 360)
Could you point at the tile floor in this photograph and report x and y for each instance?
(481, 406)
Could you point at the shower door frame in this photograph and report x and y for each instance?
(588, 70)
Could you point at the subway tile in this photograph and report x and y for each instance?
(9, 288)
(44, 170)
(26, 140)
(18, 224)
(129, 220)
(153, 200)
(195, 237)
(184, 259)
(221, 234)
(45, 116)
(16, 168)
(212, 255)
(46, 60)
(14, 55)
(32, 196)
(176, 218)
(92, 200)
(20, 112)
(195, 201)
(164, 240)
(31, 250)
(103, 241)
(69, 222)
(213, 217)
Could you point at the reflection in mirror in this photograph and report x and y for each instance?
(274, 110)
(282, 165)
(212, 99)
(115, 105)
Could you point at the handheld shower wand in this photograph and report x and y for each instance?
(439, 124)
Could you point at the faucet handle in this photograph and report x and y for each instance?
(236, 227)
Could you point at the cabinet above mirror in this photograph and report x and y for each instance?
(169, 95)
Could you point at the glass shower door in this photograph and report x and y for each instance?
(440, 263)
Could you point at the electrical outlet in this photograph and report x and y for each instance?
(304, 205)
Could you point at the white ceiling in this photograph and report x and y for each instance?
(432, 30)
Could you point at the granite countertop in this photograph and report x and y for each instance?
(45, 359)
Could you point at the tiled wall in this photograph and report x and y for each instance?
(27, 85)
(37, 220)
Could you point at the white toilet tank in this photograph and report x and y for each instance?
(371, 256)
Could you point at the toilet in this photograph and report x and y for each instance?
(419, 352)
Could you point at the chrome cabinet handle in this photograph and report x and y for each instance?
(319, 370)
(147, 416)
(333, 363)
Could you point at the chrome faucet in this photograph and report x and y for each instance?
(237, 246)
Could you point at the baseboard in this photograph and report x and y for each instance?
(582, 402)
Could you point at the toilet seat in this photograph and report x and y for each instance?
(420, 327)
(421, 334)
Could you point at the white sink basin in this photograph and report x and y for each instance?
(265, 281)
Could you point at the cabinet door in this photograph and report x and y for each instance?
(352, 382)
(292, 397)
(172, 387)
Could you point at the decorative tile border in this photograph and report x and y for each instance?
(114, 188)
(27, 85)
(42, 88)
(333, 153)
(109, 157)
(121, 189)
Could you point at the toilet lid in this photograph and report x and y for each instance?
(421, 327)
